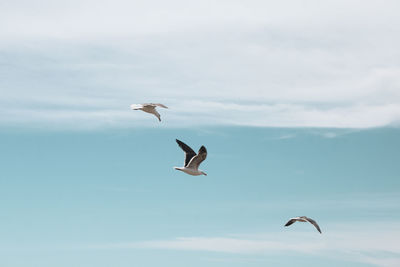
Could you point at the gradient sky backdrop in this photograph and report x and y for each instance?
(297, 102)
(112, 198)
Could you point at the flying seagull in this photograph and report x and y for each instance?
(303, 219)
(149, 108)
(192, 161)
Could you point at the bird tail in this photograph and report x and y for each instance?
(135, 107)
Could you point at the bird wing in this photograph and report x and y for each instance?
(136, 106)
(198, 159)
(157, 114)
(291, 221)
(314, 223)
(189, 153)
(160, 105)
(155, 105)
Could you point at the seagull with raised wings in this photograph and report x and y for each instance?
(149, 108)
(303, 219)
(192, 160)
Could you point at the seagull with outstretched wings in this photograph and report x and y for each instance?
(149, 108)
(303, 219)
(192, 160)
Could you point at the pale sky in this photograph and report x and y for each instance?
(81, 64)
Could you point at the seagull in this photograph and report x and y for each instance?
(149, 108)
(304, 219)
(192, 161)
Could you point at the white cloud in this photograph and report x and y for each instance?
(334, 64)
(224, 244)
(358, 244)
(88, 18)
(203, 113)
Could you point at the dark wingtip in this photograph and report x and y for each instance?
(290, 222)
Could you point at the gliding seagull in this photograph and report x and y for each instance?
(149, 108)
(192, 161)
(303, 219)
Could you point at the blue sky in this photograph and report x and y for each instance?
(297, 102)
(112, 197)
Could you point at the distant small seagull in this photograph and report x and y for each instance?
(192, 161)
(149, 108)
(303, 219)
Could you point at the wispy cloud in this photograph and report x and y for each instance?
(286, 136)
(204, 113)
(360, 245)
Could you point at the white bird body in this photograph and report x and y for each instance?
(149, 108)
(190, 171)
(192, 160)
